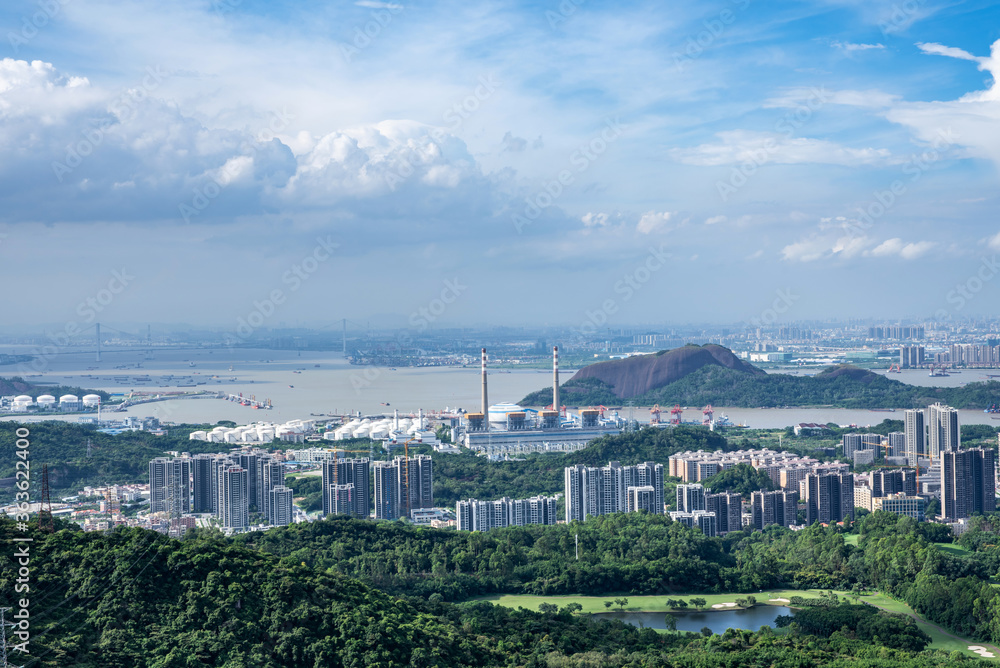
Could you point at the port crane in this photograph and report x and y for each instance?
(654, 414)
(708, 414)
(675, 414)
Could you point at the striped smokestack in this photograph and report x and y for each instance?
(486, 404)
(555, 378)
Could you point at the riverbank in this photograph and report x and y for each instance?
(940, 638)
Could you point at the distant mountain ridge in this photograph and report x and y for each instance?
(699, 375)
(639, 374)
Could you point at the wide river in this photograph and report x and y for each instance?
(323, 383)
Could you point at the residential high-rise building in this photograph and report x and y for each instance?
(728, 509)
(641, 499)
(893, 481)
(474, 515)
(897, 444)
(690, 498)
(281, 512)
(386, 501)
(701, 519)
(170, 486)
(943, 432)
(234, 497)
(853, 443)
(271, 474)
(915, 430)
(829, 497)
(779, 507)
(416, 489)
(204, 481)
(911, 357)
(250, 463)
(581, 492)
(339, 472)
(647, 474)
(968, 482)
(599, 491)
(343, 499)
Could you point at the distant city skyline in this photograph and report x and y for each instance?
(539, 164)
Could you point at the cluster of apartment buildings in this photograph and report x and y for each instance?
(474, 515)
(963, 479)
(786, 469)
(614, 488)
(396, 488)
(229, 486)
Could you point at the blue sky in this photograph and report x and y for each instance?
(539, 153)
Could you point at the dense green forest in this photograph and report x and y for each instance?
(136, 599)
(114, 459)
(638, 553)
(842, 387)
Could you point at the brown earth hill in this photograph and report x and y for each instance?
(639, 374)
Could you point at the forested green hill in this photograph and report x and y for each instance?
(135, 599)
(842, 387)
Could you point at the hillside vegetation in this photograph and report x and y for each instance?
(699, 379)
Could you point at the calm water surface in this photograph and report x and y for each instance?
(717, 620)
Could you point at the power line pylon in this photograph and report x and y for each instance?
(4, 662)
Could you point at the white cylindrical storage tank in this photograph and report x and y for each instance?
(22, 402)
(91, 400)
(45, 402)
(69, 402)
(498, 413)
(379, 432)
(197, 436)
(361, 432)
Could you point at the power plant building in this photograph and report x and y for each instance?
(501, 429)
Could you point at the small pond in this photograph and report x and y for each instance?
(717, 620)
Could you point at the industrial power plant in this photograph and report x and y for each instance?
(506, 429)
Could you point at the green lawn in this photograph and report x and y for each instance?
(953, 549)
(939, 639)
(646, 603)
(851, 538)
